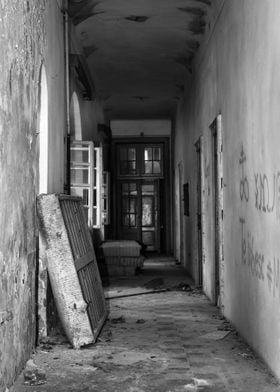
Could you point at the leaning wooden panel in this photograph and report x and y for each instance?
(70, 255)
(85, 260)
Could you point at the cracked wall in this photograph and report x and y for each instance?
(25, 45)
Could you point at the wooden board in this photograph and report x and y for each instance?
(72, 267)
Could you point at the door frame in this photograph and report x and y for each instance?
(217, 210)
(200, 211)
(164, 188)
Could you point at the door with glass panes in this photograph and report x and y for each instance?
(140, 168)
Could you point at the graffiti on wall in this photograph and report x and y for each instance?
(266, 188)
(265, 197)
(259, 266)
(244, 184)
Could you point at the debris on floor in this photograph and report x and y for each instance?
(140, 321)
(154, 284)
(32, 375)
(226, 326)
(184, 287)
(197, 385)
(216, 335)
(178, 348)
(119, 320)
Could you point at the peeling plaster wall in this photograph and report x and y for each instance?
(237, 73)
(25, 45)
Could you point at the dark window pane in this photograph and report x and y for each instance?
(86, 212)
(126, 220)
(125, 205)
(123, 154)
(148, 237)
(85, 196)
(123, 167)
(156, 156)
(131, 154)
(125, 188)
(131, 167)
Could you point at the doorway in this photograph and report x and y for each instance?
(141, 188)
(199, 212)
(217, 186)
(139, 212)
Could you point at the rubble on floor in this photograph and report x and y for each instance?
(168, 342)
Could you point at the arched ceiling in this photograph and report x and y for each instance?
(139, 52)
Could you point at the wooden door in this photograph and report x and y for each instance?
(138, 207)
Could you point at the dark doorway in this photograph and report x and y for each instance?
(199, 213)
(141, 189)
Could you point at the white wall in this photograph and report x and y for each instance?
(237, 74)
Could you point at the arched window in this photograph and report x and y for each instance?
(75, 118)
(43, 135)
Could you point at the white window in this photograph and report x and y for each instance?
(86, 170)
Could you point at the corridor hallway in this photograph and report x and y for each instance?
(168, 341)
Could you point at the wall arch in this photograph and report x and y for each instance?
(75, 118)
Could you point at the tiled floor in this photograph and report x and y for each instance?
(170, 341)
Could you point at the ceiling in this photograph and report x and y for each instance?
(139, 52)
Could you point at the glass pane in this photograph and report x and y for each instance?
(94, 157)
(86, 213)
(156, 156)
(148, 154)
(132, 206)
(79, 156)
(94, 198)
(94, 218)
(148, 167)
(126, 220)
(125, 205)
(132, 220)
(131, 167)
(156, 167)
(147, 211)
(79, 176)
(132, 189)
(125, 189)
(94, 177)
(123, 154)
(148, 189)
(81, 192)
(148, 237)
(85, 196)
(123, 167)
(131, 154)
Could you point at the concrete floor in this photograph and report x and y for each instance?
(172, 341)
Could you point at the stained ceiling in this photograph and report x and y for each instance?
(139, 52)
